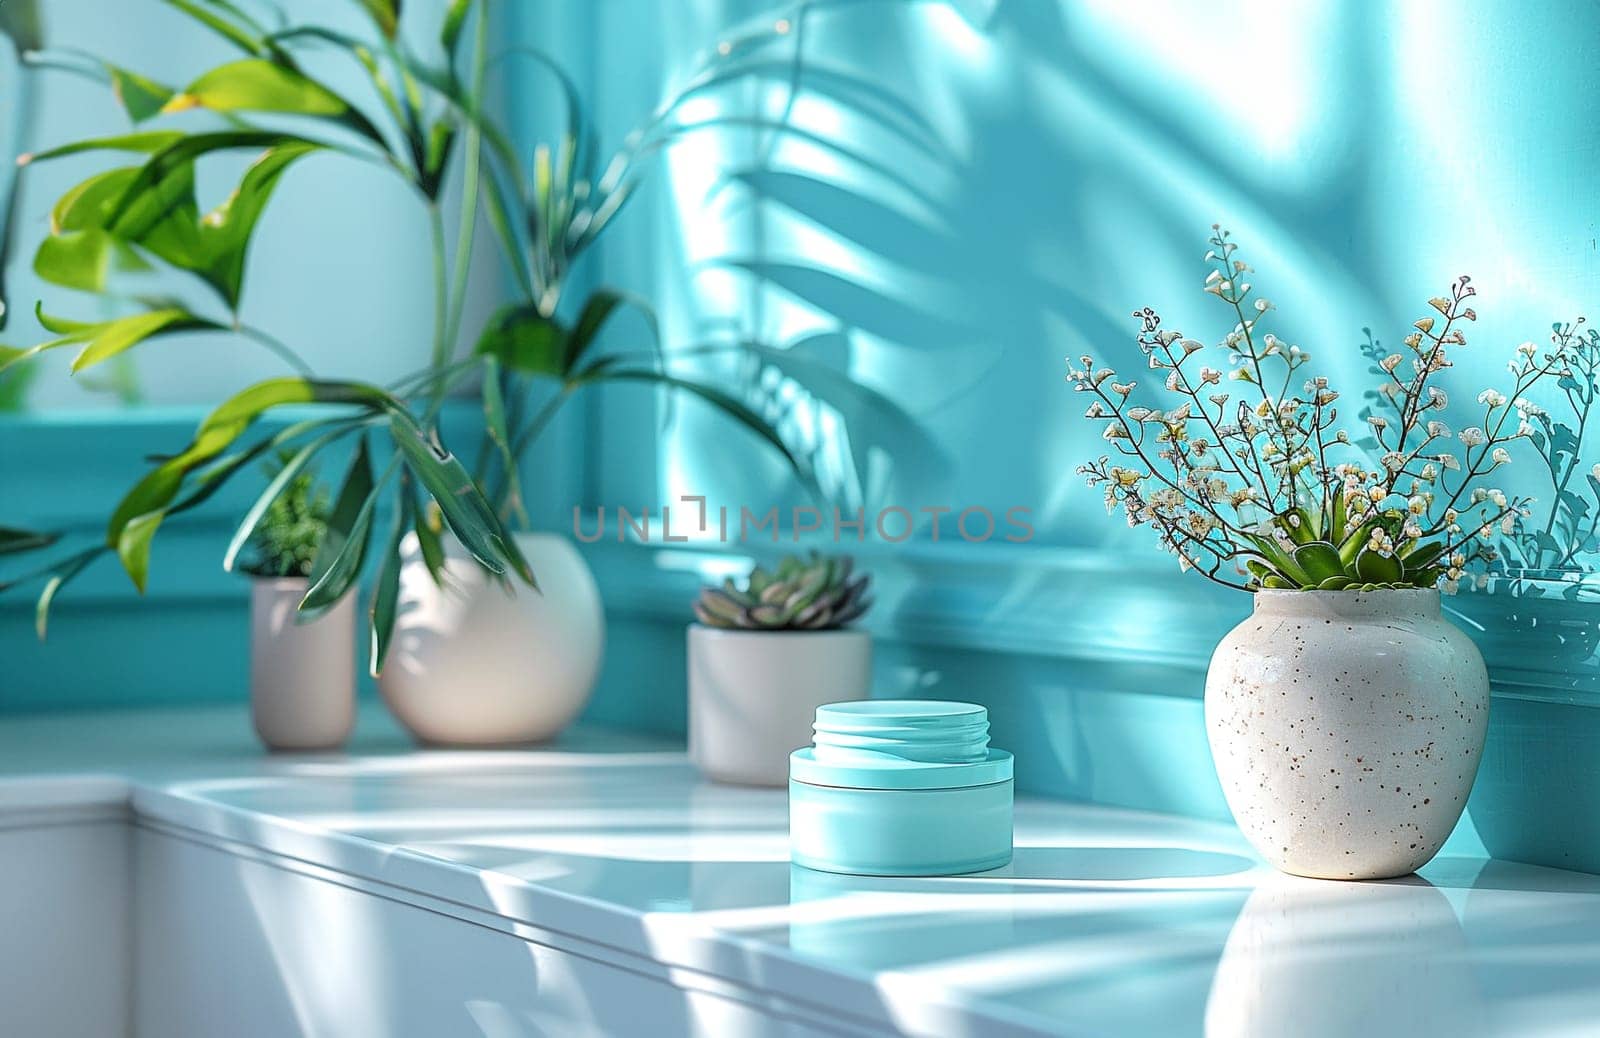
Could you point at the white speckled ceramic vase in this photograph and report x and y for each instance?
(1346, 728)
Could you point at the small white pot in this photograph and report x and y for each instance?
(753, 695)
(302, 676)
(472, 664)
(1346, 729)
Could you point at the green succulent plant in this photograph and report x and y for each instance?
(811, 594)
(291, 530)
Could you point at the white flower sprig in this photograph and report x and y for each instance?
(1256, 481)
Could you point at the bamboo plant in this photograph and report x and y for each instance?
(432, 121)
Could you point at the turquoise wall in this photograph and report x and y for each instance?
(944, 200)
(941, 201)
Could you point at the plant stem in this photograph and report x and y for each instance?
(279, 348)
(470, 176)
(540, 420)
(441, 302)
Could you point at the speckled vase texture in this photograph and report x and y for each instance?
(1346, 728)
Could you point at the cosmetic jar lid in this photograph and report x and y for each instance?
(900, 744)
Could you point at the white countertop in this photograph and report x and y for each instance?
(1107, 922)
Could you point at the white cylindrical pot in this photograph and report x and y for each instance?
(473, 664)
(753, 695)
(1346, 728)
(302, 676)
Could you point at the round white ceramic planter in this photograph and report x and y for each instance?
(753, 695)
(302, 676)
(472, 664)
(1346, 729)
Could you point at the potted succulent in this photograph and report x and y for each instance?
(302, 663)
(764, 656)
(1346, 716)
(450, 557)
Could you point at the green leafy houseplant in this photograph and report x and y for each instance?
(285, 542)
(429, 121)
(811, 594)
(1251, 479)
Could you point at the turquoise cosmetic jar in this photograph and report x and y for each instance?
(900, 787)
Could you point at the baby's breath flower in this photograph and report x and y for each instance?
(1493, 398)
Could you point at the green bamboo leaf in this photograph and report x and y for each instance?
(430, 543)
(258, 85)
(133, 546)
(470, 517)
(597, 310)
(108, 338)
(114, 337)
(225, 234)
(76, 259)
(63, 574)
(386, 593)
(14, 384)
(147, 142)
(494, 414)
(278, 484)
(152, 497)
(89, 204)
(154, 207)
(142, 98)
(353, 494)
(386, 13)
(525, 340)
(343, 551)
(497, 210)
(238, 35)
(447, 481)
(437, 153)
(455, 19)
(19, 21)
(14, 541)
